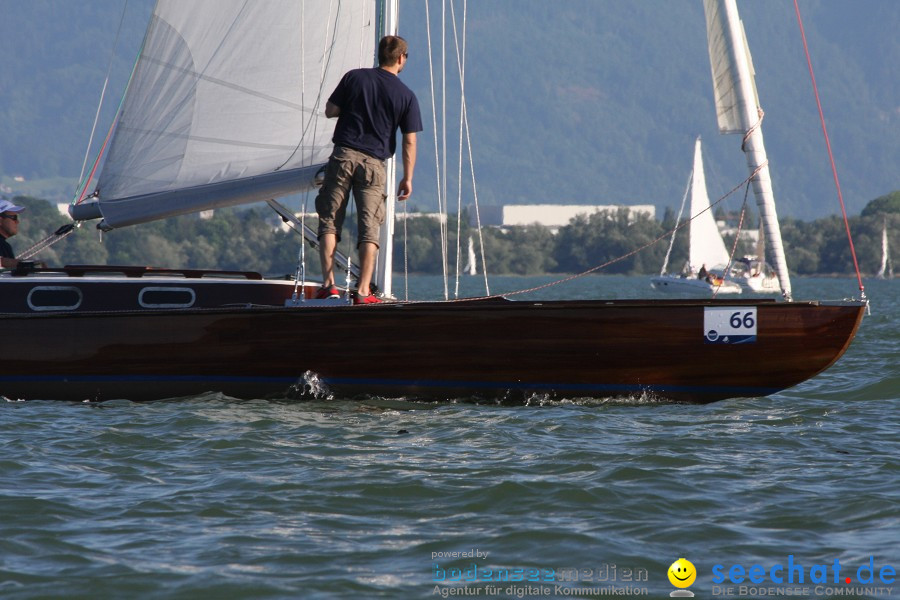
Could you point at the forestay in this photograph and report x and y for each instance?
(226, 105)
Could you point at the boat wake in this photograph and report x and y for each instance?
(642, 399)
(312, 387)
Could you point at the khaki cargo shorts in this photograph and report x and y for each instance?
(365, 175)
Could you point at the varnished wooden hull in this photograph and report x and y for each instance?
(479, 348)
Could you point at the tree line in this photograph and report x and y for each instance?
(616, 242)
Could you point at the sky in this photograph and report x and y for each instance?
(557, 95)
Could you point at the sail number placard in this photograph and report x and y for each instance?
(731, 325)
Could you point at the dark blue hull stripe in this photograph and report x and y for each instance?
(400, 384)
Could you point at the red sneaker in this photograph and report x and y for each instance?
(370, 299)
(327, 292)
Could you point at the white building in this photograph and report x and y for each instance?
(550, 215)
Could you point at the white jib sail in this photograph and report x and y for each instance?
(737, 109)
(706, 245)
(227, 102)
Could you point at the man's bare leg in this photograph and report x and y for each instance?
(368, 252)
(327, 246)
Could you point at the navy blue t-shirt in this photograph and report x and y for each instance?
(6, 250)
(374, 103)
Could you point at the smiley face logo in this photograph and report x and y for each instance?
(682, 573)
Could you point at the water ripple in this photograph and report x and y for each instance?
(215, 497)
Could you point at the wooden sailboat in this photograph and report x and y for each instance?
(707, 252)
(217, 115)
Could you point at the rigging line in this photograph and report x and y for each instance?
(484, 271)
(303, 73)
(302, 257)
(112, 55)
(80, 195)
(761, 114)
(837, 182)
(300, 272)
(405, 251)
(61, 233)
(444, 225)
(464, 126)
(327, 52)
(737, 237)
(650, 243)
(82, 192)
(677, 219)
(737, 234)
(624, 256)
(337, 245)
(437, 162)
(464, 121)
(461, 69)
(301, 267)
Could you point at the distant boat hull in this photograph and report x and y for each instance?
(760, 283)
(692, 285)
(754, 275)
(491, 349)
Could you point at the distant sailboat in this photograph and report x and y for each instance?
(707, 249)
(753, 273)
(887, 266)
(471, 268)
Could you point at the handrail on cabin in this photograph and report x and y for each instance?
(136, 271)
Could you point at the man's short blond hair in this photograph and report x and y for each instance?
(390, 49)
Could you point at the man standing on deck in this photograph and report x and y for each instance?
(370, 105)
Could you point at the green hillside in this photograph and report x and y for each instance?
(576, 102)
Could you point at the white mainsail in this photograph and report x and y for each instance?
(706, 245)
(738, 111)
(226, 105)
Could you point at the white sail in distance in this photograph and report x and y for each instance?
(226, 105)
(471, 260)
(706, 245)
(887, 268)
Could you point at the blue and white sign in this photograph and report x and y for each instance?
(729, 325)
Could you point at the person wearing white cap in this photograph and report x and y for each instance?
(9, 226)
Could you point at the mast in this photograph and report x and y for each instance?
(738, 111)
(388, 12)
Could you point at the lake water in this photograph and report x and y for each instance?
(215, 498)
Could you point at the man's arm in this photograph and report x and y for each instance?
(332, 110)
(409, 165)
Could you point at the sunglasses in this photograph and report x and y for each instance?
(11, 217)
